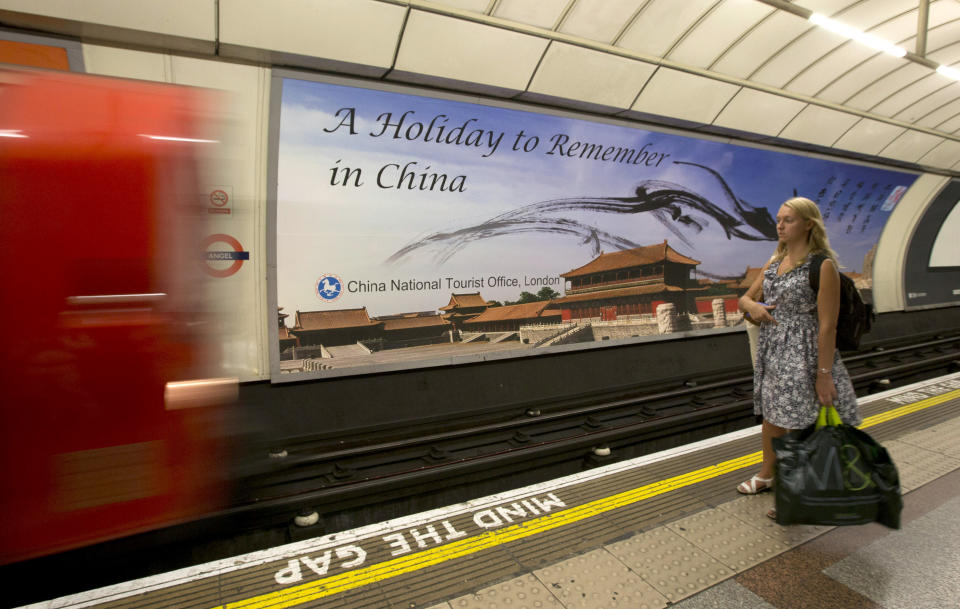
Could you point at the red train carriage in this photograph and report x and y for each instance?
(101, 311)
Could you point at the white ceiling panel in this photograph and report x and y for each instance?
(885, 86)
(364, 32)
(829, 68)
(706, 41)
(943, 35)
(859, 78)
(758, 112)
(951, 125)
(944, 113)
(945, 156)
(949, 55)
(868, 136)
(818, 125)
(929, 104)
(436, 48)
(868, 14)
(474, 6)
(911, 146)
(599, 20)
(685, 96)
(661, 24)
(921, 97)
(797, 56)
(542, 13)
(827, 7)
(749, 53)
(942, 11)
(900, 30)
(575, 73)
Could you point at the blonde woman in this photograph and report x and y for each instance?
(797, 365)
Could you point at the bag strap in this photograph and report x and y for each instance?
(816, 260)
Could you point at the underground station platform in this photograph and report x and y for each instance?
(663, 529)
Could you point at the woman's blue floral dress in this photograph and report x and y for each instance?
(786, 369)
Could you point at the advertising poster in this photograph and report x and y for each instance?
(416, 231)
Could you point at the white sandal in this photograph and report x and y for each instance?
(751, 486)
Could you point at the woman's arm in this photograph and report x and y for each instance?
(758, 313)
(828, 308)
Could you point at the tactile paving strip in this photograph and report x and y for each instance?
(597, 580)
(730, 540)
(753, 511)
(526, 592)
(673, 566)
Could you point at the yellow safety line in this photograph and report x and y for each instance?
(364, 576)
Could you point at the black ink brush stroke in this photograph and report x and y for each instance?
(666, 201)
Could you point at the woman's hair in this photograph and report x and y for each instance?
(817, 237)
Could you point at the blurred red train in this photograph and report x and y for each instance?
(107, 426)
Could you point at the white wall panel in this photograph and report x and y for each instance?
(580, 74)
(859, 78)
(748, 54)
(599, 20)
(685, 96)
(945, 156)
(186, 18)
(333, 32)
(124, 63)
(818, 125)
(661, 24)
(730, 20)
(829, 68)
(886, 86)
(436, 50)
(892, 247)
(542, 13)
(868, 136)
(911, 146)
(758, 112)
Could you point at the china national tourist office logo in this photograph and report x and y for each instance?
(329, 288)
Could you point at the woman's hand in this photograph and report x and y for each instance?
(760, 313)
(826, 389)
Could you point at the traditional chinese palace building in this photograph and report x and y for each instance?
(463, 307)
(337, 327)
(630, 282)
(509, 318)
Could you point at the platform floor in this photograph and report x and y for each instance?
(664, 529)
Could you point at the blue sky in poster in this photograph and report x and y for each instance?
(355, 225)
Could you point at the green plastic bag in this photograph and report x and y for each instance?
(835, 474)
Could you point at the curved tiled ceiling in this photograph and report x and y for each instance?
(756, 68)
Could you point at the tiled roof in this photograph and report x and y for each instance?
(648, 254)
(284, 333)
(750, 276)
(655, 288)
(465, 301)
(529, 310)
(404, 323)
(328, 320)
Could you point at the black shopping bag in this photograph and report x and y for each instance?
(835, 474)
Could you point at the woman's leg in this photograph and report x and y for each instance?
(768, 432)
